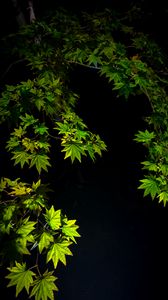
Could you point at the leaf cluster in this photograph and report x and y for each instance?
(33, 228)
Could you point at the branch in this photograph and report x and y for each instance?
(81, 64)
(10, 66)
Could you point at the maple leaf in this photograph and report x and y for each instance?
(28, 120)
(73, 150)
(53, 218)
(35, 203)
(144, 136)
(150, 166)
(163, 197)
(70, 229)
(5, 227)
(150, 186)
(36, 185)
(21, 157)
(40, 161)
(44, 287)
(41, 129)
(26, 227)
(58, 251)
(21, 277)
(93, 59)
(24, 236)
(8, 212)
(21, 243)
(39, 103)
(45, 239)
(20, 190)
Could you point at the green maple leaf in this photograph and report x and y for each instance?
(94, 59)
(28, 120)
(13, 143)
(91, 152)
(62, 127)
(41, 129)
(35, 203)
(40, 161)
(39, 103)
(144, 136)
(45, 239)
(44, 287)
(150, 166)
(53, 218)
(8, 212)
(58, 251)
(36, 185)
(18, 132)
(21, 157)
(150, 186)
(21, 277)
(70, 229)
(5, 227)
(21, 243)
(26, 227)
(163, 197)
(73, 150)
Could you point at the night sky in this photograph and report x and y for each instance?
(122, 252)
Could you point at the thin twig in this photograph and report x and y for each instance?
(81, 64)
(10, 66)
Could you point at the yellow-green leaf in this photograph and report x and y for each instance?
(53, 218)
(26, 227)
(45, 239)
(70, 230)
(58, 251)
(21, 277)
(44, 287)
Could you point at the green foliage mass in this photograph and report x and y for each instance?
(40, 113)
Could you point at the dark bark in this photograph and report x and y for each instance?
(24, 14)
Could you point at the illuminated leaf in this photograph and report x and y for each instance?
(44, 286)
(70, 229)
(40, 161)
(58, 251)
(45, 239)
(150, 186)
(20, 190)
(21, 157)
(26, 227)
(21, 277)
(28, 120)
(21, 243)
(36, 185)
(41, 129)
(53, 218)
(73, 150)
(150, 166)
(144, 136)
(163, 197)
(8, 212)
(35, 203)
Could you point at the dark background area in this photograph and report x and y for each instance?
(122, 252)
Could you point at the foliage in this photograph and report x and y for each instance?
(40, 114)
(30, 227)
